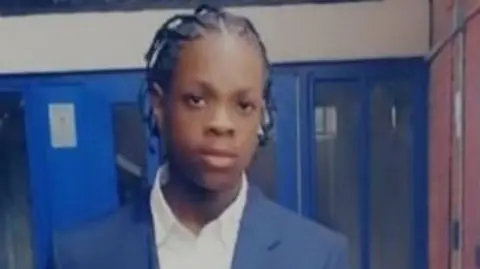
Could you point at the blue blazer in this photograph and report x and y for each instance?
(270, 237)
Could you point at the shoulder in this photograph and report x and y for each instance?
(88, 242)
(319, 244)
(104, 226)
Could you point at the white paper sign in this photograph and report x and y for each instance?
(63, 133)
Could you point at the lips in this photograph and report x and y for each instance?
(218, 159)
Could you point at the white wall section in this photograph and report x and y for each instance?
(117, 40)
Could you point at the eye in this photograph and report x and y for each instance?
(246, 106)
(193, 100)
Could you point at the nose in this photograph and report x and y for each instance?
(221, 123)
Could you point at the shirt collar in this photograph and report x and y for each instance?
(166, 224)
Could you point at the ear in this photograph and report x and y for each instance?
(157, 99)
(260, 131)
(264, 118)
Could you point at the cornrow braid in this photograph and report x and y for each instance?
(163, 53)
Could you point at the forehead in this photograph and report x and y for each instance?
(222, 60)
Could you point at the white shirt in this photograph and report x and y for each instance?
(179, 248)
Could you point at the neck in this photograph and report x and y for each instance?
(193, 205)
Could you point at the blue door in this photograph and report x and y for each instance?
(367, 148)
(89, 150)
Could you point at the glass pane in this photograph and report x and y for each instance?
(15, 211)
(130, 148)
(337, 117)
(390, 175)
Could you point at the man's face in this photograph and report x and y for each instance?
(212, 113)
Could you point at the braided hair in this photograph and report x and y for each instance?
(163, 53)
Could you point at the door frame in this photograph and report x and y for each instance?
(415, 69)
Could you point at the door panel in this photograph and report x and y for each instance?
(369, 160)
(391, 174)
(338, 118)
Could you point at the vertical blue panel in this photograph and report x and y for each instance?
(284, 89)
(82, 180)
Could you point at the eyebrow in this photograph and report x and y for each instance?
(210, 89)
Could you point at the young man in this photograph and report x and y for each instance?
(208, 81)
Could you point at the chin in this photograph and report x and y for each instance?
(218, 182)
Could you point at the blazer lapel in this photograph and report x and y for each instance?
(256, 237)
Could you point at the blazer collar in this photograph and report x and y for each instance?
(257, 233)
